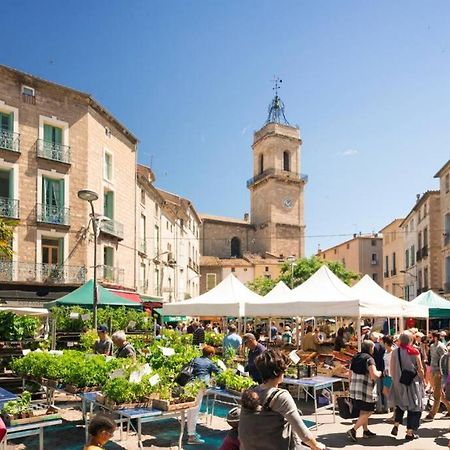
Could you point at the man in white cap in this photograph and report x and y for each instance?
(365, 333)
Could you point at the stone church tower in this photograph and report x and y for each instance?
(275, 227)
(276, 189)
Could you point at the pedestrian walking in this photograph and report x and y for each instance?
(363, 375)
(407, 391)
(437, 350)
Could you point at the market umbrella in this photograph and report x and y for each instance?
(83, 296)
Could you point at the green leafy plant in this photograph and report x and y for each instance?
(229, 380)
(214, 339)
(17, 328)
(88, 339)
(19, 406)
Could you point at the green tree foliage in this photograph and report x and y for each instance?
(303, 268)
(262, 285)
(6, 236)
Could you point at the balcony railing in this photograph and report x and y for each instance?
(280, 173)
(42, 273)
(112, 227)
(425, 251)
(53, 151)
(9, 207)
(393, 272)
(374, 262)
(55, 215)
(386, 274)
(110, 274)
(10, 141)
(143, 246)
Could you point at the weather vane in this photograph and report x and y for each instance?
(276, 108)
(277, 84)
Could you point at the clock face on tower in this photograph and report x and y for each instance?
(288, 203)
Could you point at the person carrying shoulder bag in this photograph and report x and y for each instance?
(269, 416)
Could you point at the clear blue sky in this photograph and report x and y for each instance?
(367, 82)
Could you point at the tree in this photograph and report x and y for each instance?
(305, 267)
(6, 236)
(261, 285)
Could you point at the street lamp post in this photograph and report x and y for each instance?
(91, 196)
(291, 260)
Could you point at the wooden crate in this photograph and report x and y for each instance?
(38, 413)
(170, 405)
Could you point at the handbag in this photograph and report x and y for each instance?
(406, 376)
(346, 408)
(185, 375)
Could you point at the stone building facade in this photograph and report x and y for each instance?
(423, 241)
(168, 256)
(275, 228)
(444, 225)
(55, 141)
(393, 258)
(363, 255)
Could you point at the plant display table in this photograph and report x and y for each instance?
(31, 429)
(219, 395)
(6, 396)
(141, 415)
(311, 386)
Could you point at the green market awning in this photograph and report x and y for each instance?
(438, 307)
(83, 296)
(169, 318)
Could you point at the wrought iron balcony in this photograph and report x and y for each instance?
(425, 251)
(109, 274)
(287, 174)
(9, 207)
(112, 227)
(386, 274)
(55, 215)
(143, 246)
(41, 273)
(53, 151)
(10, 141)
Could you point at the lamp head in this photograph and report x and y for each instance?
(87, 195)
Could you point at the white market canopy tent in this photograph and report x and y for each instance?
(228, 298)
(280, 291)
(323, 294)
(25, 311)
(375, 297)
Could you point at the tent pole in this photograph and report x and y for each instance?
(297, 332)
(53, 333)
(358, 332)
(428, 325)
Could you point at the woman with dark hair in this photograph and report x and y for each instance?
(101, 430)
(339, 342)
(269, 416)
(202, 369)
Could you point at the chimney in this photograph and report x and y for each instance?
(246, 217)
(417, 197)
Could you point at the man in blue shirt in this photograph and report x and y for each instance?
(255, 349)
(232, 339)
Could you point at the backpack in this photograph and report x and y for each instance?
(186, 374)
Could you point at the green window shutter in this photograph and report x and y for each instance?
(61, 251)
(45, 191)
(57, 135)
(11, 183)
(108, 256)
(108, 208)
(6, 121)
(61, 193)
(48, 134)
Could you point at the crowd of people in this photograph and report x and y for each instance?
(403, 374)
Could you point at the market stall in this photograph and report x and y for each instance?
(228, 299)
(83, 296)
(437, 306)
